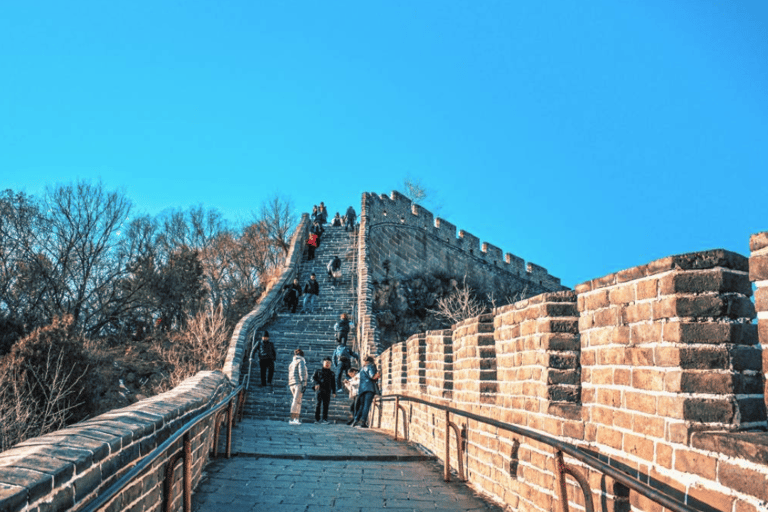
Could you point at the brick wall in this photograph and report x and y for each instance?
(239, 345)
(758, 273)
(66, 469)
(657, 369)
(407, 238)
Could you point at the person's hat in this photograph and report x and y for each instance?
(265, 335)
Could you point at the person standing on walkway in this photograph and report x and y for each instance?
(342, 359)
(267, 355)
(349, 219)
(323, 379)
(352, 385)
(297, 382)
(311, 291)
(341, 328)
(366, 390)
(334, 270)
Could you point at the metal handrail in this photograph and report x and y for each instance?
(184, 454)
(572, 450)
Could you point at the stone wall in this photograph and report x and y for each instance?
(400, 238)
(240, 342)
(658, 369)
(66, 469)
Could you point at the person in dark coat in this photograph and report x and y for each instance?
(334, 269)
(267, 355)
(350, 219)
(342, 359)
(323, 383)
(311, 292)
(292, 294)
(366, 391)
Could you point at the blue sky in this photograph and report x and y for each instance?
(586, 137)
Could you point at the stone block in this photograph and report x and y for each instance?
(743, 479)
(758, 241)
(708, 410)
(758, 267)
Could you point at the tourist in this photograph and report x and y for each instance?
(334, 270)
(322, 214)
(323, 379)
(366, 391)
(267, 355)
(352, 384)
(349, 219)
(297, 382)
(342, 359)
(292, 294)
(336, 222)
(342, 329)
(311, 292)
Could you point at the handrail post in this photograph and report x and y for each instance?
(397, 413)
(230, 420)
(447, 475)
(187, 472)
(561, 468)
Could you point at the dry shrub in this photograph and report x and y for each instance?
(461, 303)
(42, 383)
(202, 345)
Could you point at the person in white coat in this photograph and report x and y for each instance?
(297, 381)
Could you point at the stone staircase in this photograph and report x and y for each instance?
(313, 333)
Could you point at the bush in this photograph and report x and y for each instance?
(42, 383)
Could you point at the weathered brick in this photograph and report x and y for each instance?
(642, 402)
(758, 241)
(638, 446)
(649, 379)
(688, 461)
(622, 294)
(758, 267)
(706, 410)
(647, 289)
(743, 479)
(713, 383)
(645, 333)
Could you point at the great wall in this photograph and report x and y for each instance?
(659, 370)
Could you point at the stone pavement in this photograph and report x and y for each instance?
(277, 467)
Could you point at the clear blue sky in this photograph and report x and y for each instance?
(586, 137)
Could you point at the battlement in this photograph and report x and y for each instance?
(397, 209)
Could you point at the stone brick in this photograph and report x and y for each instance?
(623, 294)
(638, 312)
(647, 289)
(638, 446)
(713, 280)
(758, 241)
(706, 410)
(688, 461)
(639, 356)
(666, 356)
(652, 380)
(743, 479)
(758, 267)
(645, 333)
(642, 402)
(671, 406)
(664, 455)
(701, 332)
(761, 299)
(704, 358)
(704, 381)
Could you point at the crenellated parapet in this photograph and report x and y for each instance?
(397, 210)
(659, 369)
(400, 238)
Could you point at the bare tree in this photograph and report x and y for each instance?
(460, 303)
(278, 220)
(414, 190)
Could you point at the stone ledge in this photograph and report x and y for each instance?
(752, 446)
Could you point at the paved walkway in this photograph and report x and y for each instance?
(278, 467)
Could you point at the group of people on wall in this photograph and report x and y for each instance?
(319, 218)
(361, 384)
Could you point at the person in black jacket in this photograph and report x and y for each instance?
(292, 294)
(267, 355)
(311, 291)
(324, 386)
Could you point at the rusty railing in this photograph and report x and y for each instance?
(228, 406)
(561, 468)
